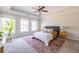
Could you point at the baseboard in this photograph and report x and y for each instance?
(73, 38)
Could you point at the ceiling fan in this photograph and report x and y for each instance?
(40, 9)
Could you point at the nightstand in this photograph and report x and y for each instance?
(63, 34)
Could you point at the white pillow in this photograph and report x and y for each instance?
(48, 30)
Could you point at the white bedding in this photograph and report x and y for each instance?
(45, 37)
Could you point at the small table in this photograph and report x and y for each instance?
(1, 47)
(2, 43)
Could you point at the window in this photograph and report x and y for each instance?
(24, 25)
(7, 24)
(34, 25)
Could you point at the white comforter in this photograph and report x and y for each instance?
(45, 37)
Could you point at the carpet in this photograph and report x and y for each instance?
(18, 45)
(54, 46)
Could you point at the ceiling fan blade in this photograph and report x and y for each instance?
(41, 7)
(44, 10)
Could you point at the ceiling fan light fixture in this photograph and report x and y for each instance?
(40, 9)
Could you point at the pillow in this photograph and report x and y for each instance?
(43, 30)
(49, 30)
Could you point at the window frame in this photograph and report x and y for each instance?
(24, 19)
(34, 25)
(14, 31)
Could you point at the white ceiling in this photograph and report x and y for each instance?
(25, 10)
(57, 9)
(28, 9)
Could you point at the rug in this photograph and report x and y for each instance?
(54, 46)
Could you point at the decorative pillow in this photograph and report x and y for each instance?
(48, 30)
(44, 30)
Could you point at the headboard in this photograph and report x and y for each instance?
(55, 28)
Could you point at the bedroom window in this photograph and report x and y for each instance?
(24, 25)
(34, 25)
(7, 24)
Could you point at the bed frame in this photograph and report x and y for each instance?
(55, 28)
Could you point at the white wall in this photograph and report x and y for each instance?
(67, 18)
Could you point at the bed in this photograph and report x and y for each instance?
(46, 37)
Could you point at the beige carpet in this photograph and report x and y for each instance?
(18, 46)
(70, 46)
